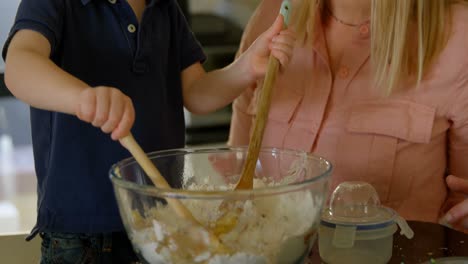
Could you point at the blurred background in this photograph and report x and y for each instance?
(217, 24)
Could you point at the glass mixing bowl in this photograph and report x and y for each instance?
(275, 222)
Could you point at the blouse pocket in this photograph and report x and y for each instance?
(382, 126)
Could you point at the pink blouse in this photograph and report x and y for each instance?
(404, 145)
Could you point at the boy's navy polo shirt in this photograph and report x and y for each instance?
(102, 43)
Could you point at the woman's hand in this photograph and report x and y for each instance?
(107, 108)
(275, 41)
(457, 216)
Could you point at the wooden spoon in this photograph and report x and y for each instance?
(153, 173)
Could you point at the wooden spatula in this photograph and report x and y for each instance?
(227, 221)
(263, 107)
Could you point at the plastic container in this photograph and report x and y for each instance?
(277, 220)
(355, 228)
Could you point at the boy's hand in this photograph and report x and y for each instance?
(107, 108)
(278, 42)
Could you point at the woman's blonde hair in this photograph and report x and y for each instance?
(393, 40)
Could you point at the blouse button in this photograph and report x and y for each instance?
(112, 1)
(343, 72)
(364, 30)
(131, 28)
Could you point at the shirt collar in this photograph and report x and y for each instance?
(318, 38)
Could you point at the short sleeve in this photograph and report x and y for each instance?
(458, 134)
(241, 119)
(42, 16)
(191, 51)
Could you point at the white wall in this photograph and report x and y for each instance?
(7, 17)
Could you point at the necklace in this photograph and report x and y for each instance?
(343, 22)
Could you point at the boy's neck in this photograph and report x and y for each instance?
(138, 6)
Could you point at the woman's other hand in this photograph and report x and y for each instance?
(457, 216)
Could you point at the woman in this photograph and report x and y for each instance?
(380, 88)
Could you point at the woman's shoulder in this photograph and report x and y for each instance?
(263, 17)
(459, 24)
(454, 59)
(266, 12)
(455, 54)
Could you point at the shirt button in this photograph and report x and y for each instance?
(112, 1)
(343, 72)
(140, 67)
(131, 28)
(364, 30)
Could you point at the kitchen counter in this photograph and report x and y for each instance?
(17, 191)
(18, 213)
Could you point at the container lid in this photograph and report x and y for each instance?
(356, 206)
(357, 203)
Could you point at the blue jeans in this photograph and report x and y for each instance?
(66, 248)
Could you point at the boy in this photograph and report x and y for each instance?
(118, 65)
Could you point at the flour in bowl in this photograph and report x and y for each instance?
(268, 230)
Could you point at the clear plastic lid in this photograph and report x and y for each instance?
(357, 204)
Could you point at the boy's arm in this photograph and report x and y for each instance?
(204, 93)
(33, 78)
